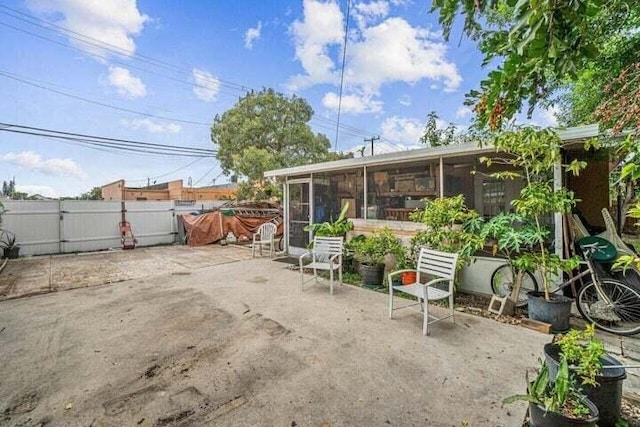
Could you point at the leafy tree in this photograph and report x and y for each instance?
(534, 46)
(433, 135)
(266, 130)
(94, 194)
(8, 187)
(583, 50)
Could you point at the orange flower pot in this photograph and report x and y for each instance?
(409, 278)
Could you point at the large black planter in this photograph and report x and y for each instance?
(349, 264)
(607, 396)
(540, 418)
(12, 252)
(555, 311)
(372, 275)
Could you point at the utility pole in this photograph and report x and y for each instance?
(373, 138)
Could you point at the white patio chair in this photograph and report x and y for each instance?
(438, 269)
(264, 236)
(326, 254)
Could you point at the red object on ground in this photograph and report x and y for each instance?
(126, 236)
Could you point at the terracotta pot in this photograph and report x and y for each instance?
(409, 278)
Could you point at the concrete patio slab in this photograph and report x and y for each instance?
(239, 343)
(33, 275)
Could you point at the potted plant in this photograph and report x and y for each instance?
(532, 154)
(449, 226)
(407, 261)
(586, 356)
(7, 240)
(510, 234)
(556, 402)
(370, 251)
(8, 244)
(337, 228)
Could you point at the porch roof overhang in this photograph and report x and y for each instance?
(574, 134)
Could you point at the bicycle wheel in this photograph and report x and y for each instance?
(620, 315)
(503, 280)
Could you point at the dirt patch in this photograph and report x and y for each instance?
(22, 403)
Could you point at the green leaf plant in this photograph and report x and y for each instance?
(583, 350)
(372, 249)
(560, 395)
(531, 154)
(450, 227)
(337, 228)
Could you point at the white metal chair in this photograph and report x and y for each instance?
(326, 254)
(438, 269)
(264, 236)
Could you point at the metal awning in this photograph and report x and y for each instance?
(573, 134)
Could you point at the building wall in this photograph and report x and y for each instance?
(113, 191)
(207, 193)
(592, 188)
(174, 191)
(143, 194)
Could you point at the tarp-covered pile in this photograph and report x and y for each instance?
(241, 220)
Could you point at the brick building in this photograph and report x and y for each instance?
(172, 190)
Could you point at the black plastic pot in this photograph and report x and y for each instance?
(556, 311)
(372, 275)
(540, 418)
(12, 252)
(607, 396)
(348, 264)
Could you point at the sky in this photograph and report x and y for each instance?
(159, 71)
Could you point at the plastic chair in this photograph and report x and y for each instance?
(439, 268)
(326, 254)
(264, 236)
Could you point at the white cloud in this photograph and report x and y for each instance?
(43, 190)
(549, 117)
(366, 13)
(402, 129)
(252, 35)
(126, 83)
(207, 87)
(382, 50)
(395, 51)
(353, 103)
(463, 112)
(152, 126)
(321, 27)
(34, 162)
(405, 100)
(112, 22)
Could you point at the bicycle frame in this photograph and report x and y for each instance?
(588, 250)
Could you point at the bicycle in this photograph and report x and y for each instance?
(611, 304)
(503, 280)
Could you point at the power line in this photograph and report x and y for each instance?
(148, 144)
(102, 104)
(83, 38)
(168, 173)
(128, 65)
(203, 176)
(120, 144)
(344, 56)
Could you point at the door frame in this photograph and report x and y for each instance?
(294, 250)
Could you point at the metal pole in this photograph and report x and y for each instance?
(373, 138)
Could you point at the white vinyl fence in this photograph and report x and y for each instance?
(66, 226)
